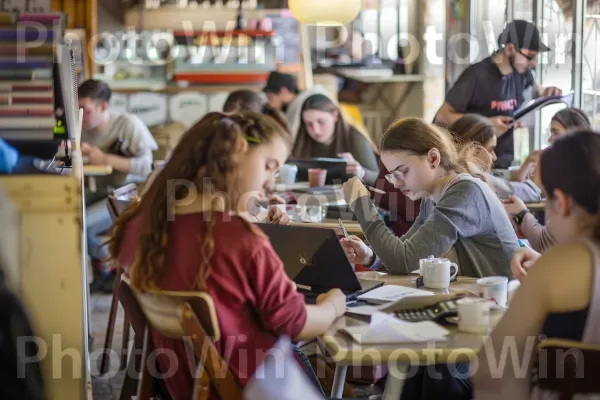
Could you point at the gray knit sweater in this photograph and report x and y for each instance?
(469, 218)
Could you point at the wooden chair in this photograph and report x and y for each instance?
(566, 369)
(117, 203)
(120, 199)
(189, 316)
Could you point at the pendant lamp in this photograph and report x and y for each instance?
(325, 12)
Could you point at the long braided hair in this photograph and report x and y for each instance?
(204, 158)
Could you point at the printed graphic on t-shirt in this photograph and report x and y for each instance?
(504, 105)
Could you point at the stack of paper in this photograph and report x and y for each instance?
(386, 329)
(387, 293)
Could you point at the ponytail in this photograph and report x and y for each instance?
(418, 136)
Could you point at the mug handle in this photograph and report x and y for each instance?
(453, 274)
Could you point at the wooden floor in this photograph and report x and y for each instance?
(107, 387)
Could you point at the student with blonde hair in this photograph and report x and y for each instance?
(479, 129)
(460, 216)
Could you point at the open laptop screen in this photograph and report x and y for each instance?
(312, 257)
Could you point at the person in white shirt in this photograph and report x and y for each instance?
(121, 141)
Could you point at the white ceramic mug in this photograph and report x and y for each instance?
(287, 174)
(422, 262)
(494, 288)
(473, 315)
(437, 273)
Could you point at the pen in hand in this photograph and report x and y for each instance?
(343, 228)
(372, 189)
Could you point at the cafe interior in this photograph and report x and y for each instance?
(403, 180)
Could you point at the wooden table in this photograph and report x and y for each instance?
(97, 170)
(352, 227)
(91, 171)
(343, 351)
(539, 206)
(332, 198)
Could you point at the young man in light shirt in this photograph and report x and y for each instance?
(121, 141)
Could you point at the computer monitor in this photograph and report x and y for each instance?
(336, 169)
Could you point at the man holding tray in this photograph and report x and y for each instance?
(498, 85)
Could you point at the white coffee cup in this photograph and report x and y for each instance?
(287, 174)
(494, 288)
(422, 262)
(473, 315)
(437, 273)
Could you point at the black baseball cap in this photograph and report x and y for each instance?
(524, 35)
(278, 80)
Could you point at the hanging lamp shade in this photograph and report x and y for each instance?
(325, 12)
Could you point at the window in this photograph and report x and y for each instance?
(381, 27)
(590, 67)
(555, 68)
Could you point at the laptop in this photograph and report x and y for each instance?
(336, 169)
(315, 260)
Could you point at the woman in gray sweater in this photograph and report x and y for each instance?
(460, 217)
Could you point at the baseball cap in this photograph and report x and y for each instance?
(278, 80)
(524, 35)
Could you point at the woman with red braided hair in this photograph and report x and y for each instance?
(188, 233)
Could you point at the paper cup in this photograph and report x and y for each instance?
(287, 174)
(317, 177)
(473, 315)
(494, 288)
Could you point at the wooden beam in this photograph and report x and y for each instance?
(92, 32)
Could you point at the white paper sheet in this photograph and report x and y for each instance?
(387, 293)
(387, 329)
(280, 377)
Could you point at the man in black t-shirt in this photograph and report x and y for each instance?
(495, 87)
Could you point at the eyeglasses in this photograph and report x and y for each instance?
(528, 57)
(394, 177)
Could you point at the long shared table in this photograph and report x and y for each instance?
(345, 352)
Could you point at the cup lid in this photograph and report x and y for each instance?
(472, 300)
(492, 280)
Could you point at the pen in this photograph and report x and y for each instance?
(372, 189)
(343, 228)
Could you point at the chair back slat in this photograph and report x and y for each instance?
(162, 309)
(567, 369)
(126, 192)
(225, 384)
(131, 306)
(140, 379)
(189, 316)
(121, 199)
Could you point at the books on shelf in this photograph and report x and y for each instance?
(38, 87)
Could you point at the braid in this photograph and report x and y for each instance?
(207, 249)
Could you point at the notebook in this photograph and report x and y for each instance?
(389, 293)
(386, 329)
